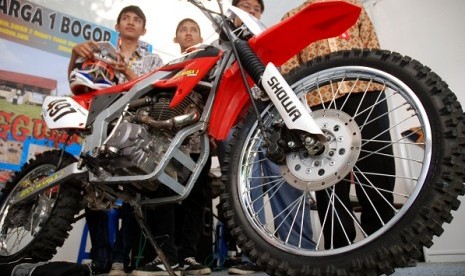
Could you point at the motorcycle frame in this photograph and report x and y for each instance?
(228, 97)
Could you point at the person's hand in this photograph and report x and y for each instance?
(119, 66)
(213, 143)
(86, 49)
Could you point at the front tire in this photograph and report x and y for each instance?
(35, 229)
(426, 130)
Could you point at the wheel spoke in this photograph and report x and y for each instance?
(370, 199)
(26, 223)
(336, 215)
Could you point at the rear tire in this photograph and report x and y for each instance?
(36, 228)
(428, 176)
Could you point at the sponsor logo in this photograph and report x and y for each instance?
(37, 186)
(187, 73)
(284, 98)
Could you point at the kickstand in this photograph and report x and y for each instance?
(148, 235)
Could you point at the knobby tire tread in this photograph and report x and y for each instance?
(413, 231)
(55, 230)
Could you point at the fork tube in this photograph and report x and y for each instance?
(255, 68)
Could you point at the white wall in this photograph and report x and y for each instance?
(431, 32)
(70, 249)
(427, 30)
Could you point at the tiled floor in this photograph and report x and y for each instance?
(423, 269)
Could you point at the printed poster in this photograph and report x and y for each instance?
(36, 44)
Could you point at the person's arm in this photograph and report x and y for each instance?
(122, 67)
(72, 62)
(367, 31)
(154, 61)
(85, 50)
(128, 73)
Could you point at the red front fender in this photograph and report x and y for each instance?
(230, 100)
(277, 45)
(317, 21)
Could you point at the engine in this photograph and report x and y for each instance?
(138, 143)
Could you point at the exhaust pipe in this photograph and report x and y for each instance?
(191, 117)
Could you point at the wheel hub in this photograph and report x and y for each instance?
(40, 213)
(18, 215)
(342, 149)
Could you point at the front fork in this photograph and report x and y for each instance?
(295, 114)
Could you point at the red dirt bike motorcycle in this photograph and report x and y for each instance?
(137, 135)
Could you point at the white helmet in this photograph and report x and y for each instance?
(91, 75)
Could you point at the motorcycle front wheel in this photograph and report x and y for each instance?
(35, 228)
(388, 178)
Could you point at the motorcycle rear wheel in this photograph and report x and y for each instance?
(426, 128)
(33, 230)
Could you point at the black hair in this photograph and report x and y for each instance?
(187, 20)
(134, 9)
(262, 5)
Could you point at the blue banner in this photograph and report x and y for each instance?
(37, 26)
